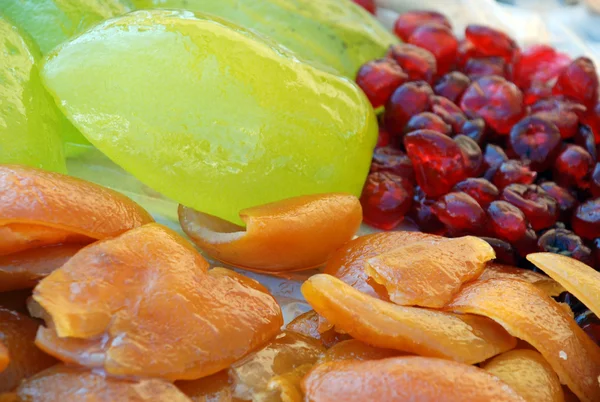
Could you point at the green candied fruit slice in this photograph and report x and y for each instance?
(211, 115)
(334, 33)
(29, 121)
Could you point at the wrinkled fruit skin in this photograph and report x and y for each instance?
(586, 219)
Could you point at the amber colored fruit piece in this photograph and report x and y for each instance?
(22, 358)
(348, 262)
(546, 284)
(422, 274)
(464, 338)
(529, 314)
(528, 373)
(311, 325)
(353, 349)
(75, 384)
(110, 296)
(289, 235)
(579, 279)
(39, 208)
(286, 387)
(214, 388)
(409, 378)
(4, 357)
(24, 269)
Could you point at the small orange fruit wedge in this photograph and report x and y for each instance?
(409, 378)
(422, 274)
(579, 279)
(144, 304)
(353, 349)
(528, 373)
(310, 324)
(548, 285)
(289, 235)
(464, 338)
(529, 314)
(348, 262)
(40, 208)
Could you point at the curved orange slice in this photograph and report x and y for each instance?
(468, 339)
(529, 314)
(75, 384)
(579, 279)
(528, 373)
(144, 304)
(23, 270)
(422, 274)
(289, 235)
(310, 324)
(354, 349)
(409, 378)
(39, 208)
(548, 285)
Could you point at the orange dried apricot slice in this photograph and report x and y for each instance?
(348, 262)
(75, 384)
(39, 208)
(528, 373)
(20, 355)
(548, 285)
(214, 388)
(409, 378)
(464, 338)
(422, 274)
(311, 324)
(579, 279)
(144, 304)
(529, 314)
(353, 349)
(289, 235)
(23, 270)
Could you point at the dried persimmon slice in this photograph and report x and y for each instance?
(408, 378)
(353, 349)
(548, 285)
(289, 235)
(529, 314)
(144, 304)
(464, 338)
(528, 373)
(422, 274)
(311, 324)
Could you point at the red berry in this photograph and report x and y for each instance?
(573, 167)
(428, 121)
(585, 139)
(497, 101)
(491, 42)
(474, 129)
(389, 159)
(417, 63)
(537, 65)
(460, 213)
(595, 182)
(383, 139)
(527, 244)
(480, 189)
(385, 199)
(452, 86)
(368, 5)
(513, 171)
(535, 141)
(422, 215)
(540, 209)
(466, 51)
(507, 221)
(566, 201)
(408, 100)
(505, 253)
(565, 242)
(493, 156)
(579, 82)
(437, 159)
(536, 92)
(379, 78)
(472, 155)
(592, 119)
(440, 41)
(478, 67)
(562, 112)
(411, 20)
(586, 219)
(449, 112)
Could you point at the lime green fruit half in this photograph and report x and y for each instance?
(335, 33)
(211, 115)
(29, 120)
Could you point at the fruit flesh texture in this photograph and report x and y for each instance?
(548, 285)
(312, 325)
(353, 349)
(105, 301)
(29, 121)
(225, 71)
(462, 338)
(328, 33)
(404, 379)
(422, 274)
(529, 314)
(214, 388)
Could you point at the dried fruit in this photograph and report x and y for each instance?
(567, 243)
(214, 388)
(474, 129)
(494, 156)
(564, 113)
(407, 22)
(491, 42)
(408, 100)
(386, 198)
(579, 82)
(311, 325)
(422, 215)
(418, 63)
(480, 189)
(440, 41)
(538, 64)
(540, 209)
(428, 121)
(505, 253)
(478, 67)
(472, 155)
(542, 282)
(573, 167)
(506, 221)
(535, 141)
(379, 79)
(449, 112)
(566, 201)
(460, 213)
(452, 86)
(390, 159)
(586, 219)
(352, 349)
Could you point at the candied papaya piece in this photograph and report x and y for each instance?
(408, 378)
(548, 285)
(311, 324)
(289, 235)
(348, 262)
(529, 314)
(528, 373)
(464, 338)
(112, 306)
(353, 349)
(577, 278)
(214, 388)
(422, 274)
(286, 387)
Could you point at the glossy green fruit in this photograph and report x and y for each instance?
(211, 115)
(335, 33)
(29, 121)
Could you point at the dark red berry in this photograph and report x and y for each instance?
(368, 5)
(491, 42)
(592, 119)
(466, 51)
(449, 112)
(379, 78)
(540, 209)
(590, 324)
(408, 100)
(428, 121)
(505, 254)
(478, 67)
(536, 92)
(573, 167)
(595, 181)
(538, 64)
(535, 141)
(460, 213)
(390, 159)
(507, 222)
(474, 129)
(585, 139)
(586, 219)
(472, 155)
(526, 244)
(566, 201)
(440, 41)
(411, 20)
(422, 215)
(579, 82)
(383, 138)
(562, 112)
(385, 199)
(480, 189)
(437, 159)
(497, 101)
(417, 63)
(493, 156)
(565, 242)
(512, 171)
(452, 86)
